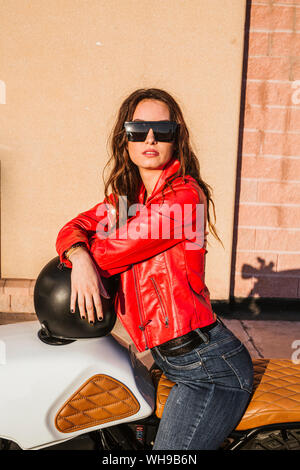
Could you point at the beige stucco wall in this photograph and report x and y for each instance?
(66, 65)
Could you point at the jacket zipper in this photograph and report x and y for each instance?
(141, 326)
(161, 303)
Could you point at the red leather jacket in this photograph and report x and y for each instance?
(162, 292)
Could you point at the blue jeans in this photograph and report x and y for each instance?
(212, 388)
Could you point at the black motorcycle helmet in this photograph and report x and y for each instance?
(52, 295)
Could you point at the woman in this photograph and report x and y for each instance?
(162, 301)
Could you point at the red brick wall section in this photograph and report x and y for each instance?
(268, 242)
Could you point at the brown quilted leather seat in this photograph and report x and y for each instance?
(275, 398)
(99, 400)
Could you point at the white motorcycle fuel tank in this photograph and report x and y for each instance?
(50, 394)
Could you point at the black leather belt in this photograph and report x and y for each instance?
(185, 343)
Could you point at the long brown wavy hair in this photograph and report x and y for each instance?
(124, 178)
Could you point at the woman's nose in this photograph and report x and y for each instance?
(150, 137)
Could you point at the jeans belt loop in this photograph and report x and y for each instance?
(204, 336)
(156, 349)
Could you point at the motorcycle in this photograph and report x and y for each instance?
(96, 394)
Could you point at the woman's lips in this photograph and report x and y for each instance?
(150, 153)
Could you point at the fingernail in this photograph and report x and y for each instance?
(100, 318)
(82, 318)
(72, 311)
(91, 321)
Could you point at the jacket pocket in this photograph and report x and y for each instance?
(194, 261)
(159, 296)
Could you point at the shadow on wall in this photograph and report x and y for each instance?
(274, 295)
(266, 271)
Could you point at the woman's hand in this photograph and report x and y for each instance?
(86, 284)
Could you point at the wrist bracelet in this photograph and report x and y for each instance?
(73, 247)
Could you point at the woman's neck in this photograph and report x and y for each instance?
(149, 178)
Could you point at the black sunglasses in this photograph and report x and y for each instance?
(137, 131)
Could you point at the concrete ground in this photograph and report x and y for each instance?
(264, 338)
(268, 338)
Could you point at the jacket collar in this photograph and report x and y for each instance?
(169, 169)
